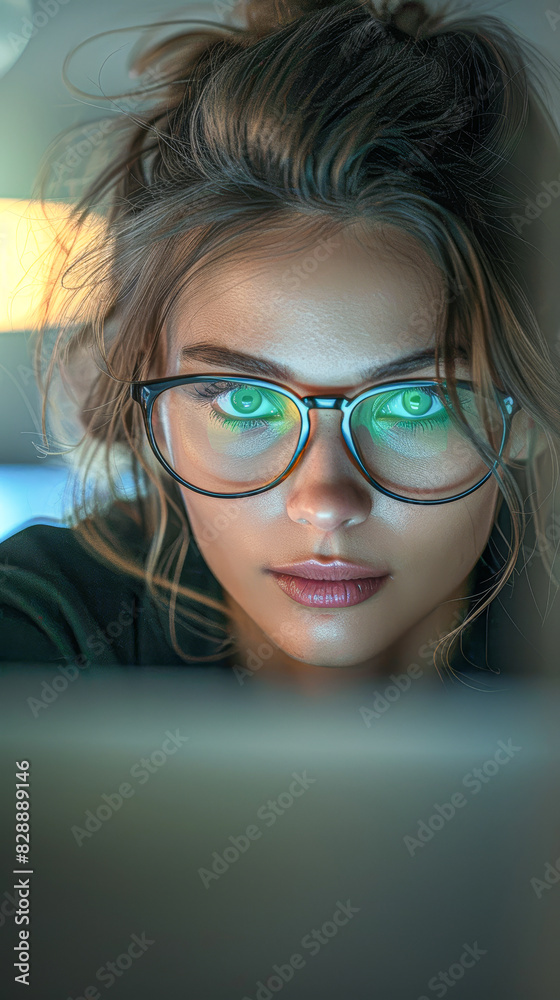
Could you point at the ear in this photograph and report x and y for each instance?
(523, 434)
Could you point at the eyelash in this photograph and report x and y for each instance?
(419, 425)
(214, 389)
(230, 422)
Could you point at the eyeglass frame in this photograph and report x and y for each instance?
(146, 392)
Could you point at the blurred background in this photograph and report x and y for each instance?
(35, 105)
(134, 834)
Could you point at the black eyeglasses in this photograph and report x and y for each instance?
(235, 436)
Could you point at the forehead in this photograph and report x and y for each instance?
(325, 309)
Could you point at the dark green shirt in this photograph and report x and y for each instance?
(59, 604)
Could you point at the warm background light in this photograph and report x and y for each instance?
(31, 237)
(26, 247)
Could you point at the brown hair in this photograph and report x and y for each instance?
(311, 116)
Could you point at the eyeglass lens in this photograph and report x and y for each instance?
(231, 437)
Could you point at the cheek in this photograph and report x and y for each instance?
(440, 546)
(224, 531)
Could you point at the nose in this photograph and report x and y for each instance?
(326, 489)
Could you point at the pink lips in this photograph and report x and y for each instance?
(337, 584)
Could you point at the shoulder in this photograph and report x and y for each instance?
(61, 603)
(55, 595)
(41, 548)
(56, 553)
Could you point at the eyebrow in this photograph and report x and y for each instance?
(215, 354)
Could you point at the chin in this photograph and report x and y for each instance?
(330, 655)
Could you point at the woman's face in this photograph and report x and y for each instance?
(325, 321)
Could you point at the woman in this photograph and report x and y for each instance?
(320, 210)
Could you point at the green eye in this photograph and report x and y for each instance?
(415, 402)
(250, 401)
(246, 400)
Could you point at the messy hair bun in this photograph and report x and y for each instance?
(265, 16)
(316, 114)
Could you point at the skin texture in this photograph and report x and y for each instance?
(357, 309)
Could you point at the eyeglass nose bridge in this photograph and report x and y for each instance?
(325, 402)
(343, 405)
